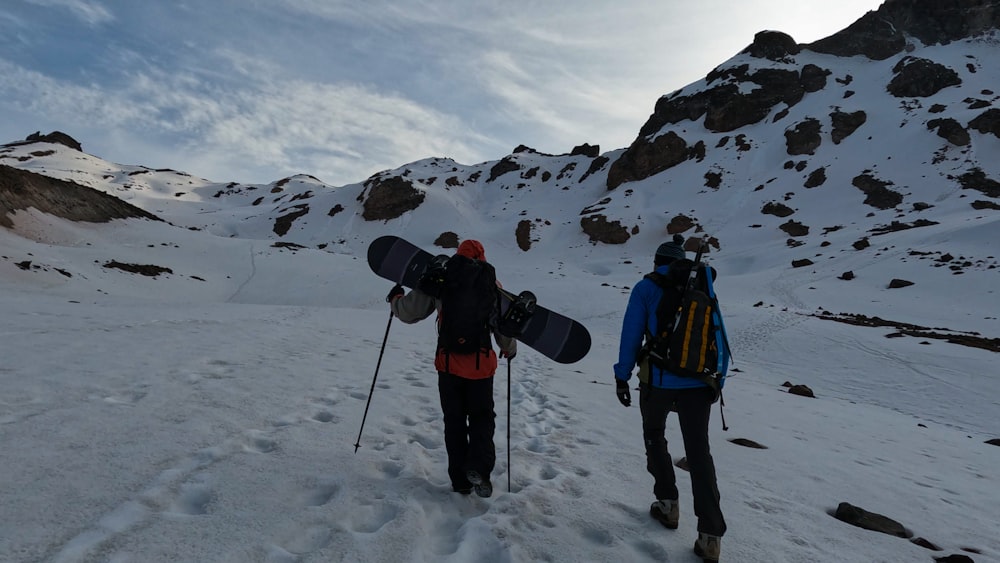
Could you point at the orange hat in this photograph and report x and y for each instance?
(472, 249)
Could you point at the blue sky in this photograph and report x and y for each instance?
(257, 90)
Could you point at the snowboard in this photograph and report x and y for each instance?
(555, 336)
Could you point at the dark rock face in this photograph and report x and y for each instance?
(795, 228)
(950, 130)
(600, 229)
(878, 192)
(725, 108)
(773, 45)
(871, 36)
(804, 138)
(846, 123)
(504, 166)
(447, 239)
(53, 137)
(987, 122)
(977, 180)
(861, 518)
(777, 209)
(645, 158)
(881, 34)
(816, 178)
(20, 189)
(283, 223)
(679, 224)
(593, 151)
(388, 198)
(919, 78)
(732, 109)
(522, 234)
(813, 78)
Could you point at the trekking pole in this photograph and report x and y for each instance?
(508, 425)
(385, 338)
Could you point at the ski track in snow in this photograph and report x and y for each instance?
(408, 446)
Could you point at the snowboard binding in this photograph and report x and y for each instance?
(516, 317)
(431, 280)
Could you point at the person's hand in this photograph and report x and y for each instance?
(508, 355)
(621, 389)
(396, 291)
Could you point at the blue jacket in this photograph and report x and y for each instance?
(640, 317)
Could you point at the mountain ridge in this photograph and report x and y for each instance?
(806, 169)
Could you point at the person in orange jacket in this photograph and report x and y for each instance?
(465, 385)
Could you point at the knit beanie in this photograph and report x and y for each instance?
(670, 251)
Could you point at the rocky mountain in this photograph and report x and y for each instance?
(801, 162)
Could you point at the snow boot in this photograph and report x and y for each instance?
(708, 547)
(480, 484)
(666, 512)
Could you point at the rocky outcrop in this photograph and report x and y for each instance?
(645, 158)
(593, 151)
(726, 107)
(857, 516)
(878, 192)
(20, 189)
(919, 78)
(987, 122)
(804, 138)
(522, 234)
(388, 198)
(504, 166)
(773, 45)
(881, 34)
(846, 123)
(54, 137)
(777, 209)
(950, 130)
(600, 229)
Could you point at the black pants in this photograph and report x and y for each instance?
(469, 423)
(693, 409)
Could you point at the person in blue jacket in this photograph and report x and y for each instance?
(659, 393)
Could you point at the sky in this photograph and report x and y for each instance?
(254, 91)
(210, 414)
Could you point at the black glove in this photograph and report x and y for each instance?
(396, 291)
(621, 389)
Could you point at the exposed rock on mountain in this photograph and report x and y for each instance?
(20, 190)
(878, 192)
(846, 123)
(53, 137)
(388, 198)
(987, 122)
(881, 34)
(646, 158)
(600, 229)
(950, 130)
(920, 78)
(773, 45)
(804, 138)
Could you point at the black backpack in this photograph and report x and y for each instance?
(691, 339)
(469, 305)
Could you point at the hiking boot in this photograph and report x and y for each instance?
(462, 490)
(481, 485)
(708, 547)
(666, 512)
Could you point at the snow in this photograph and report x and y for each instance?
(211, 414)
(211, 425)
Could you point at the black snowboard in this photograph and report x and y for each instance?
(555, 336)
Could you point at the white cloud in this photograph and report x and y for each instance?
(94, 13)
(339, 132)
